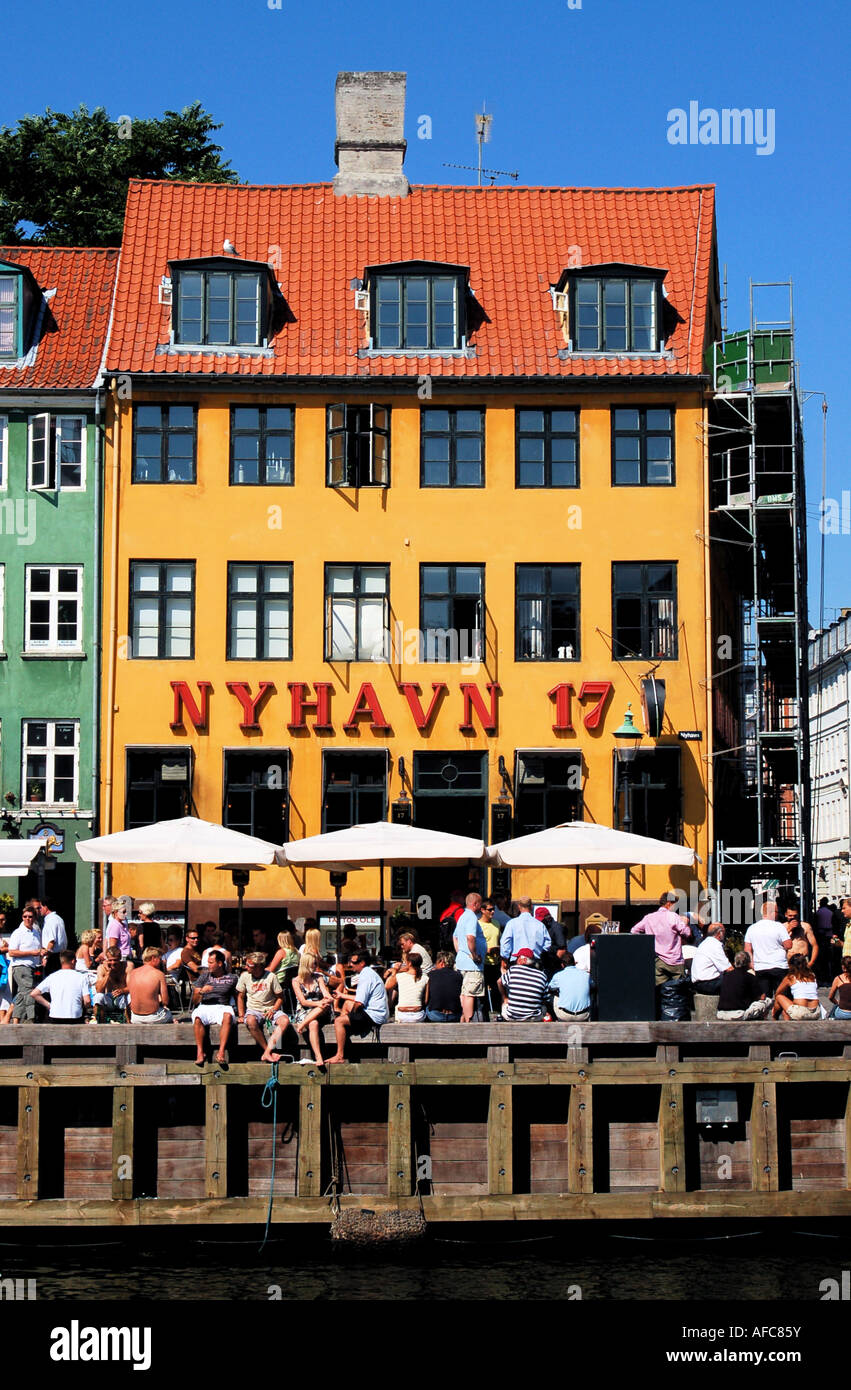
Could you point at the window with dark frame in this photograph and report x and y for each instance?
(547, 447)
(452, 612)
(262, 445)
(655, 794)
(354, 789)
(642, 446)
(164, 444)
(452, 447)
(51, 751)
(358, 444)
(548, 790)
(256, 793)
(417, 311)
(260, 614)
(158, 785)
(162, 609)
(547, 613)
(615, 314)
(357, 612)
(218, 306)
(644, 610)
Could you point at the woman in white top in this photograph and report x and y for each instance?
(410, 981)
(797, 994)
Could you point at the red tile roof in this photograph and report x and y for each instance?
(70, 348)
(516, 242)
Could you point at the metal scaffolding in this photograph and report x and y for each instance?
(761, 784)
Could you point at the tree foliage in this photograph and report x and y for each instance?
(63, 179)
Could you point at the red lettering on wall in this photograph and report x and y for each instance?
(250, 708)
(183, 697)
(367, 705)
(604, 690)
(411, 692)
(301, 704)
(562, 694)
(473, 700)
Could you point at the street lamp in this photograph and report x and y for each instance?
(627, 739)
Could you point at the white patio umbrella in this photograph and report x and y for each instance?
(379, 843)
(584, 845)
(185, 841)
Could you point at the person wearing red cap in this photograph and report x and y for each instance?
(524, 988)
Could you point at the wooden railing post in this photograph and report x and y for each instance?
(672, 1139)
(28, 1125)
(123, 1152)
(216, 1141)
(399, 1141)
(309, 1139)
(580, 1152)
(764, 1153)
(501, 1139)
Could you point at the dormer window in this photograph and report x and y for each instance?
(615, 308)
(417, 307)
(10, 316)
(219, 302)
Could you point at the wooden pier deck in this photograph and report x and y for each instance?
(115, 1125)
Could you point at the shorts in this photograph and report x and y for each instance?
(162, 1015)
(565, 1017)
(360, 1021)
(800, 1011)
(211, 1013)
(6, 998)
(473, 984)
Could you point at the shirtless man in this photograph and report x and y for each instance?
(149, 990)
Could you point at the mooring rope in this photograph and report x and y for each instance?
(267, 1099)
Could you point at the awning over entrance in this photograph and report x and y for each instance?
(16, 857)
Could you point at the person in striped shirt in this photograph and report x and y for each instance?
(524, 988)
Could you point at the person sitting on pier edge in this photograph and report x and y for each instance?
(363, 1008)
(796, 996)
(410, 945)
(148, 987)
(212, 1002)
(742, 996)
(709, 963)
(669, 931)
(524, 933)
(65, 992)
(471, 950)
(571, 990)
(443, 990)
(110, 994)
(524, 988)
(410, 981)
(767, 942)
(314, 1003)
(258, 998)
(840, 991)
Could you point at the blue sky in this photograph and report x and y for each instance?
(580, 97)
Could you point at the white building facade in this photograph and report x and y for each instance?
(830, 725)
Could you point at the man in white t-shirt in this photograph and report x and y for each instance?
(709, 962)
(64, 992)
(767, 942)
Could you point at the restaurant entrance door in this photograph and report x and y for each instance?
(450, 794)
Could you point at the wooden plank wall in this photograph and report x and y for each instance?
(452, 1130)
(76, 1144)
(358, 1121)
(8, 1142)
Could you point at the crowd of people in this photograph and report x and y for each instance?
(521, 966)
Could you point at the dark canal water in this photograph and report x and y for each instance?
(619, 1263)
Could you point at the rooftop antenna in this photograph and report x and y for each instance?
(483, 120)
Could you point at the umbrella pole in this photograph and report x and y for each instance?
(186, 902)
(381, 936)
(576, 900)
(337, 891)
(626, 892)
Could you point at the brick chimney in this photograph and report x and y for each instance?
(370, 145)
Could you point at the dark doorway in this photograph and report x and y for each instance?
(450, 794)
(60, 885)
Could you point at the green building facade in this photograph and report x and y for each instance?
(54, 315)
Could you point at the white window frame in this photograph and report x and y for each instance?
(52, 428)
(4, 452)
(49, 751)
(54, 596)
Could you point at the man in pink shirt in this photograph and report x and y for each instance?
(668, 928)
